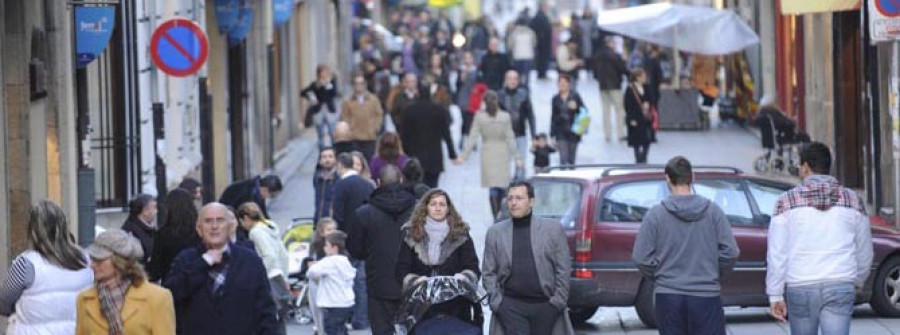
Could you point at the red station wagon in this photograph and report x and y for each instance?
(601, 208)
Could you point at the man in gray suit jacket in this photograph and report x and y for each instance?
(526, 270)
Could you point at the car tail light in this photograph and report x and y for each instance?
(583, 253)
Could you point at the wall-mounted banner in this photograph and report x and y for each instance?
(227, 14)
(281, 11)
(93, 27)
(241, 28)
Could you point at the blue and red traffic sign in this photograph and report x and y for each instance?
(179, 47)
(888, 8)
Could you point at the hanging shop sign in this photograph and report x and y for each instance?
(444, 3)
(241, 28)
(227, 14)
(281, 11)
(799, 7)
(93, 27)
(179, 47)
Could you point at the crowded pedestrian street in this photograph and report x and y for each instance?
(449, 167)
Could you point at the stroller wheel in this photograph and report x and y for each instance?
(777, 165)
(761, 164)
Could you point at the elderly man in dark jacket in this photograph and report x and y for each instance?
(376, 239)
(219, 288)
(516, 100)
(142, 212)
(426, 125)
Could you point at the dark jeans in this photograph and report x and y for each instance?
(524, 67)
(519, 317)
(542, 61)
(640, 153)
(466, 126)
(496, 197)
(431, 179)
(361, 307)
(381, 315)
(567, 151)
(367, 148)
(336, 320)
(678, 314)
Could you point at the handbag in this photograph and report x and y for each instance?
(582, 122)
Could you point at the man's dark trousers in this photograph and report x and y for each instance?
(381, 315)
(678, 314)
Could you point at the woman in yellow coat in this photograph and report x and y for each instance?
(121, 300)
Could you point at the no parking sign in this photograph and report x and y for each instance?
(884, 20)
(179, 47)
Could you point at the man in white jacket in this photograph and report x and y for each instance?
(820, 250)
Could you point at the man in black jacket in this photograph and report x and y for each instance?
(323, 184)
(376, 239)
(516, 100)
(142, 212)
(351, 192)
(425, 125)
(544, 31)
(256, 189)
(494, 66)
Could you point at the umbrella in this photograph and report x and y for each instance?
(700, 30)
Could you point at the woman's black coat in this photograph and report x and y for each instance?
(641, 133)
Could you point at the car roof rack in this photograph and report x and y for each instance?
(611, 168)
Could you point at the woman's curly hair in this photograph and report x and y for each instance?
(417, 220)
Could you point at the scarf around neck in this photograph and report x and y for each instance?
(112, 298)
(437, 231)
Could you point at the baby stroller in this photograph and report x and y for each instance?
(297, 240)
(781, 137)
(436, 290)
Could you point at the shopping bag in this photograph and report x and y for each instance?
(582, 122)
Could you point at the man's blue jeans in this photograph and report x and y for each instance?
(827, 307)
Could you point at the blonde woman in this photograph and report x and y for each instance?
(121, 300)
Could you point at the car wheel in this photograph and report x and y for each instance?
(644, 304)
(886, 292)
(580, 315)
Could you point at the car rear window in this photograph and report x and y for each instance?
(629, 202)
(558, 200)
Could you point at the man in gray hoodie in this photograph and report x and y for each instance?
(685, 245)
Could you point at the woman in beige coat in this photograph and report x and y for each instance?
(498, 148)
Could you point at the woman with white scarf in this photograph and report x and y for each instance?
(436, 242)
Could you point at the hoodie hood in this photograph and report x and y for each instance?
(394, 199)
(688, 208)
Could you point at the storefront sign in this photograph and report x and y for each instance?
(444, 3)
(93, 27)
(798, 7)
(281, 11)
(884, 20)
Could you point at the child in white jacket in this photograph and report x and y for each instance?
(334, 275)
